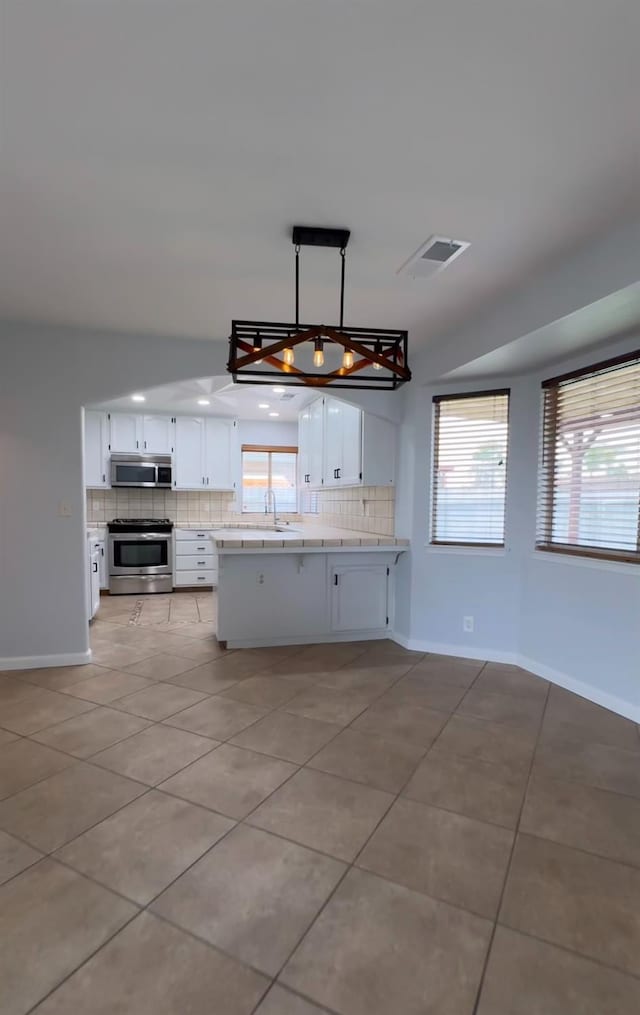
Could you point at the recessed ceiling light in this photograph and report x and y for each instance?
(274, 413)
(138, 398)
(204, 401)
(278, 391)
(263, 405)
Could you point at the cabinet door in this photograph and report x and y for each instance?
(220, 461)
(304, 421)
(332, 441)
(315, 464)
(350, 473)
(188, 464)
(126, 432)
(96, 449)
(157, 434)
(359, 597)
(102, 565)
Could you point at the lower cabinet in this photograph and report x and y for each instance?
(359, 597)
(195, 561)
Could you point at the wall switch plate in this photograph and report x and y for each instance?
(467, 625)
(64, 509)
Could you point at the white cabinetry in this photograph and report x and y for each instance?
(359, 597)
(188, 472)
(196, 562)
(158, 435)
(93, 556)
(219, 453)
(340, 445)
(96, 449)
(126, 432)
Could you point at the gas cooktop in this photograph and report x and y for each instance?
(140, 525)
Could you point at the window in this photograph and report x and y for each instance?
(470, 439)
(589, 490)
(269, 468)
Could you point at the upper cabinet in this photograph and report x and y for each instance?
(125, 432)
(204, 453)
(96, 449)
(158, 435)
(340, 445)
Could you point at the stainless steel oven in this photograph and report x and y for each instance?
(140, 555)
(148, 471)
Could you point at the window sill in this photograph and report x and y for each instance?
(576, 560)
(469, 551)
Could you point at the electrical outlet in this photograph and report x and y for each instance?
(260, 578)
(467, 625)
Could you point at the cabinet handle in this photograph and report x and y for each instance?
(104, 478)
(201, 563)
(145, 445)
(137, 444)
(335, 579)
(201, 548)
(338, 471)
(207, 481)
(95, 567)
(200, 577)
(203, 483)
(200, 535)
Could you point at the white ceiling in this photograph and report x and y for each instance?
(225, 399)
(156, 153)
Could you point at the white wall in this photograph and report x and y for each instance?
(268, 431)
(577, 622)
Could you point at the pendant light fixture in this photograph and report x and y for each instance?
(370, 357)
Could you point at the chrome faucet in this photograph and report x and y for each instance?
(270, 495)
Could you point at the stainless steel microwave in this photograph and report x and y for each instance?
(149, 471)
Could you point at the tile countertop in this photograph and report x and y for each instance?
(316, 537)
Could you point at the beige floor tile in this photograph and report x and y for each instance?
(379, 948)
(290, 737)
(159, 701)
(482, 740)
(150, 968)
(22, 763)
(86, 734)
(574, 718)
(154, 754)
(7, 738)
(204, 678)
(253, 895)
(146, 845)
(201, 651)
(331, 656)
(384, 764)
(506, 709)
(376, 679)
(501, 678)
(425, 692)
(408, 724)
(449, 669)
(326, 813)
(478, 789)
(15, 856)
(282, 1002)
(161, 667)
(114, 655)
(593, 764)
(217, 717)
(108, 687)
(266, 692)
(449, 856)
(37, 711)
(51, 920)
(327, 705)
(527, 977)
(13, 690)
(57, 678)
(575, 900)
(591, 819)
(57, 809)
(230, 780)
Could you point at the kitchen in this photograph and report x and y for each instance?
(184, 502)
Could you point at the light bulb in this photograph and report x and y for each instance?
(378, 351)
(288, 357)
(377, 366)
(318, 355)
(347, 359)
(257, 346)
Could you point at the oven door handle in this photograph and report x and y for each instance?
(129, 536)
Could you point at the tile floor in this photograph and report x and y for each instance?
(347, 828)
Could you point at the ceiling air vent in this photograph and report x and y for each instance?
(287, 397)
(437, 253)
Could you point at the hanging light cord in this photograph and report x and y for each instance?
(342, 255)
(297, 286)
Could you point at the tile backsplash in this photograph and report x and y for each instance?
(179, 506)
(366, 508)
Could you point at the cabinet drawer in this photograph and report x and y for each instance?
(205, 578)
(197, 562)
(189, 547)
(186, 534)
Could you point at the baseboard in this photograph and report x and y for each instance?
(37, 662)
(317, 639)
(588, 691)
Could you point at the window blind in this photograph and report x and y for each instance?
(470, 445)
(589, 487)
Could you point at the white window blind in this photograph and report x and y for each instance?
(589, 488)
(470, 444)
